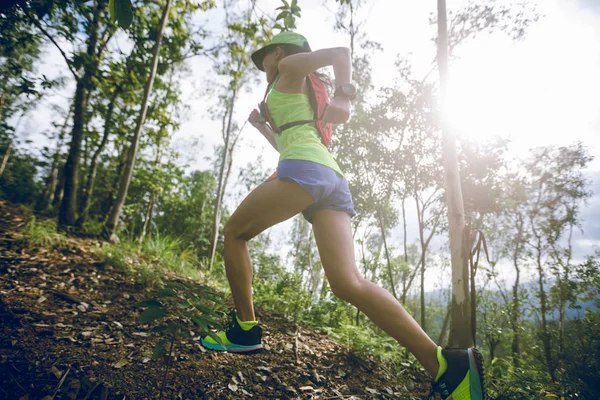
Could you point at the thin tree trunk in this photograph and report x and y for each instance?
(146, 232)
(472, 292)
(60, 187)
(460, 323)
(387, 256)
(365, 268)
(516, 346)
(543, 308)
(68, 208)
(404, 242)
(442, 336)
(562, 300)
(196, 237)
(221, 183)
(52, 180)
(91, 178)
(420, 219)
(5, 157)
(113, 218)
(111, 195)
(83, 167)
(516, 307)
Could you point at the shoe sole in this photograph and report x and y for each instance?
(233, 348)
(476, 375)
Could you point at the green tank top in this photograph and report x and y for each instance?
(302, 142)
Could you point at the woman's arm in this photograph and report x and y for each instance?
(302, 64)
(294, 68)
(269, 135)
(257, 121)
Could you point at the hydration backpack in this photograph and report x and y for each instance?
(319, 100)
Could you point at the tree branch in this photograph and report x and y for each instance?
(41, 28)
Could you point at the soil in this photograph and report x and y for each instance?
(68, 331)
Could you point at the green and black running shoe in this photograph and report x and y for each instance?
(239, 337)
(463, 375)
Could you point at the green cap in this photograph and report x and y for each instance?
(292, 38)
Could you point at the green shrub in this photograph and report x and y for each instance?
(43, 234)
(149, 262)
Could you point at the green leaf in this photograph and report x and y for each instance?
(211, 321)
(281, 15)
(121, 11)
(166, 292)
(214, 297)
(288, 21)
(174, 285)
(149, 303)
(214, 336)
(200, 322)
(201, 307)
(159, 350)
(152, 313)
(171, 327)
(159, 328)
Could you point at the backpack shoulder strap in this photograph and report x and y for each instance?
(264, 110)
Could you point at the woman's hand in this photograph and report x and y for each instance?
(338, 111)
(256, 120)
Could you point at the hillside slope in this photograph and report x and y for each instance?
(68, 331)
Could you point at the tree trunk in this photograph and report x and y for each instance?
(516, 306)
(5, 157)
(473, 294)
(115, 212)
(60, 187)
(387, 256)
(111, 194)
(68, 208)
(52, 180)
(516, 342)
(89, 190)
(146, 233)
(460, 324)
(442, 336)
(83, 167)
(420, 219)
(66, 213)
(563, 293)
(404, 241)
(221, 183)
(543, 308)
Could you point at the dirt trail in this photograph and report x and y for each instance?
(68, 331)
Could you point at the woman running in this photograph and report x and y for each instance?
(310, 181)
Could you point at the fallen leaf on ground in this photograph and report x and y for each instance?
(121, 363)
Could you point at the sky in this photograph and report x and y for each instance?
(540, 90)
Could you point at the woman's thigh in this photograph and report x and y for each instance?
(271, 202)
(333, 234)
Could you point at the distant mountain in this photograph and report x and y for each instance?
(441, 296)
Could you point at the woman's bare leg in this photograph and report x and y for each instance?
(333, 234)
(270, 203)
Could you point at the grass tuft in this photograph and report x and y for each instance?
(43, 234)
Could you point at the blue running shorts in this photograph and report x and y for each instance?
(325, 185)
